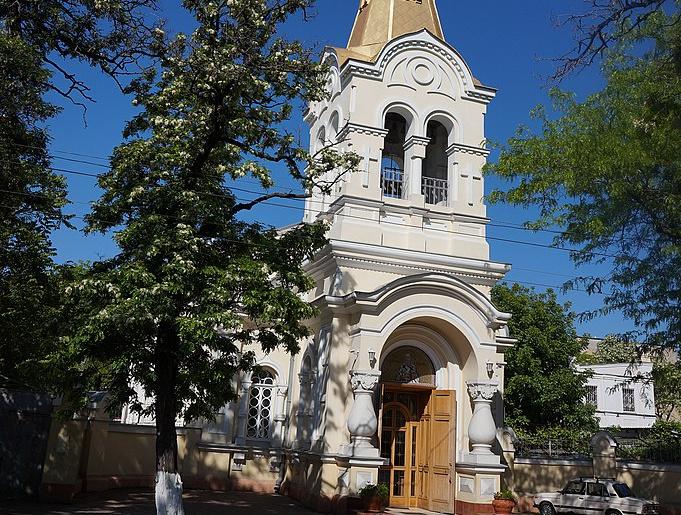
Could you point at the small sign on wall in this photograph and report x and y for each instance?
(364, 479)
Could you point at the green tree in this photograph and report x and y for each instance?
(36, 37)
(607, 171)
(611, 349)
(542, 389)
(667, 378)
(195, 287)
(31, 201)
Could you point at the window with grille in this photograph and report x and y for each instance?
(628, 402)
(592, 395)
(260, 405)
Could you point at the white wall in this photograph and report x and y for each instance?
(611, 381)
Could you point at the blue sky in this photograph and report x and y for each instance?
(508, 45)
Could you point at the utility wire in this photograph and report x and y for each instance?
(346, 215)
(179, 218)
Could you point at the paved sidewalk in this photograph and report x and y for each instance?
(135, 502)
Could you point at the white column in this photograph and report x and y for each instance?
(242, 418)
(414, 154)
(362, 422)
(305, 409)
(482, 430)
(280, 392)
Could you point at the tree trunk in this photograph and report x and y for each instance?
(168, 481)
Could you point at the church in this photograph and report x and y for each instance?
(402, 381)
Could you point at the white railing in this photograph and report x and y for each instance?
(435, 191)
(392, 180)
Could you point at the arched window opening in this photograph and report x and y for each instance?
(334, 125)
(260, 405)
(305, 402)
(435, 186)
(321, 140)
(408, 365)
(392, 161)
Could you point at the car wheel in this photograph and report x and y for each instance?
(546, 508)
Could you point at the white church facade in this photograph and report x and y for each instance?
(402, 381)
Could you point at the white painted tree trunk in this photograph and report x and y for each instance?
(169, 494)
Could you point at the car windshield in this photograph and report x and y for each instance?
(622, 490)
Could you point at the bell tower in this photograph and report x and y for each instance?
(407, 262)
(406, 101)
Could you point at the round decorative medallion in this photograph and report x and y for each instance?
(423, 74)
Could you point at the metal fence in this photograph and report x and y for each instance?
(435, 191)
(649, 451)
(392, 180)
(553, 449)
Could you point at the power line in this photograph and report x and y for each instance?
(254, 244)
(90, 156)
(347, 215)
(286, 206)
(507, 225)
(179, 218)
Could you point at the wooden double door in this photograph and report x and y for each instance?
(418, 437)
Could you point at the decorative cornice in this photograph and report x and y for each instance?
(460, 148)
(471, 91)
(414, 141)
(356, 128)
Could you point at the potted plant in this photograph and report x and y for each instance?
(504, 502)
(374, 497)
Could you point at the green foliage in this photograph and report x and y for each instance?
(607, 171)
(195, 288)
(661, 444)
(381, 490)
(504, 495)
(111, 35)
(31, 199)
(611, 349)
(558, 441)
(667, 379)
(37, 38)
(542, 388)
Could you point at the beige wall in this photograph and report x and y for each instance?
(528, 477)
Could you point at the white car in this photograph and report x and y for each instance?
(595, 496)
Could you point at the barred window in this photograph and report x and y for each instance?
(628, 401)
(592, 395)
(260, 405)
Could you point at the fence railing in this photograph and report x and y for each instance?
(553, 449)
(644, 449)
(392, 181)
(435, 191)
(649, 451)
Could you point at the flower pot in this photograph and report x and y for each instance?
(503, 506)
(373, 504)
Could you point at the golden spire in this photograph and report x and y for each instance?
(381, 21)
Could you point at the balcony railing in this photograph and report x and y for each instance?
(392, 180)
(435, 191)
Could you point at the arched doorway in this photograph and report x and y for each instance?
(417, 433)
